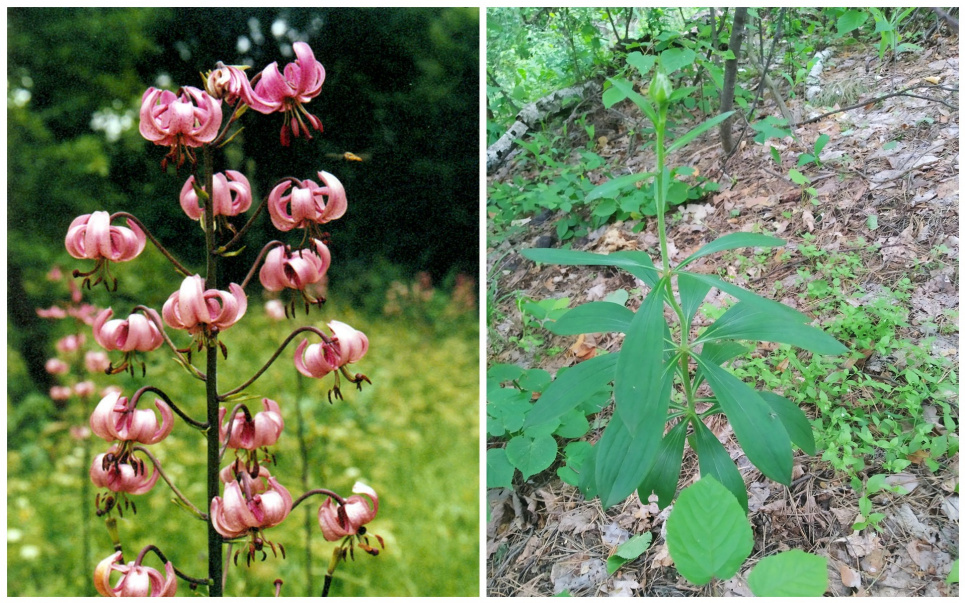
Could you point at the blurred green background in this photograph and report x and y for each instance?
(401, 88)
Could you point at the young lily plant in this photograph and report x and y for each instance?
(658, 373)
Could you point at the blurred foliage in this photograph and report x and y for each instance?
(401, 88)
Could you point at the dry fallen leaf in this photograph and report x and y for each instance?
(849, 577)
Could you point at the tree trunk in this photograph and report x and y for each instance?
(730, 78)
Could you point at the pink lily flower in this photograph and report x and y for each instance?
(114, 419)
(357, 511)
(230, 83)
(352, 344)
(244, 508)
(193, 308)
(135, 580)
(137, 333)
(263, 429)
(310, 203)
(229, 198)
(191, 119)
(284, 268)
(56, 366)
(96, 362)
(131, 477)
(301, 82)
(91, 236)
(60, 393)
(317, 361)
(51, 312)
(84, 388)
(70, 343)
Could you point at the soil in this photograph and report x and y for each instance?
(544, 538)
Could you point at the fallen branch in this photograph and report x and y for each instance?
(881, 98)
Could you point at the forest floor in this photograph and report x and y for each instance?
(544, 538)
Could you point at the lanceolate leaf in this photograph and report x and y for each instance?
(707, 534)
(714, 461)
(794, 420)
(665, 472)
(757, 427)
(758, 323)
(622, 460)
(636, 263)
(718, 352)
(710, 123)
(734, 240)
(642, 386)
(747, 296)
(593, 317)
(571, 388)
(692, 294)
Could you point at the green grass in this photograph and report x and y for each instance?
(412, 435)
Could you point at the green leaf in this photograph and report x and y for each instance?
(953, 573)
(611, 188)
(641, 62)
(535, 380)
(734, 240)
(692, 294)
(636, 263)
(620, 463)
(572, 425)
(775, 155)
(641, 389)
(758, 428)
(571, 388)
(798, 178)
(708, 534)
(714, 461)
(804, 159)
(619, 297)
(499, 471)
(612, 96)
(710, 123)
(747, 297)
(531, 455)
(673, 59)
(759, 323)
(851, 20)
(507, 407)
(718, 352)
(872, 222)
(606, 208)
(664, 474)
(794, 420)
(820, 142)
(789, 574)
(628, 551)
(504, 372)
(593, 317)
(627, 89)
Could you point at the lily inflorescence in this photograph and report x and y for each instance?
(244, 499)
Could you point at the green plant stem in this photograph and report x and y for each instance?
(303, 451)
(215, 559)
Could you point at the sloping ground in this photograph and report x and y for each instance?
(544, 538)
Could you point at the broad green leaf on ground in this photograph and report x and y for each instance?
(642, 62)
(531, 455)
(697, 131)
(748, 297)
(758, 428)
(665, 472)
(572, 387)
(757, 322)
(734, 240)
(953, 573)
(820, 143)
(708, 534)
(643, 381)
(593, 317)
(636, 263)
(628, 551)
(714, 461)
(504, 372)
(789, 574)
(506, 409)
(611, 188)
(535, 380)
(794, 420)
(499, 471)
(573, 424)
